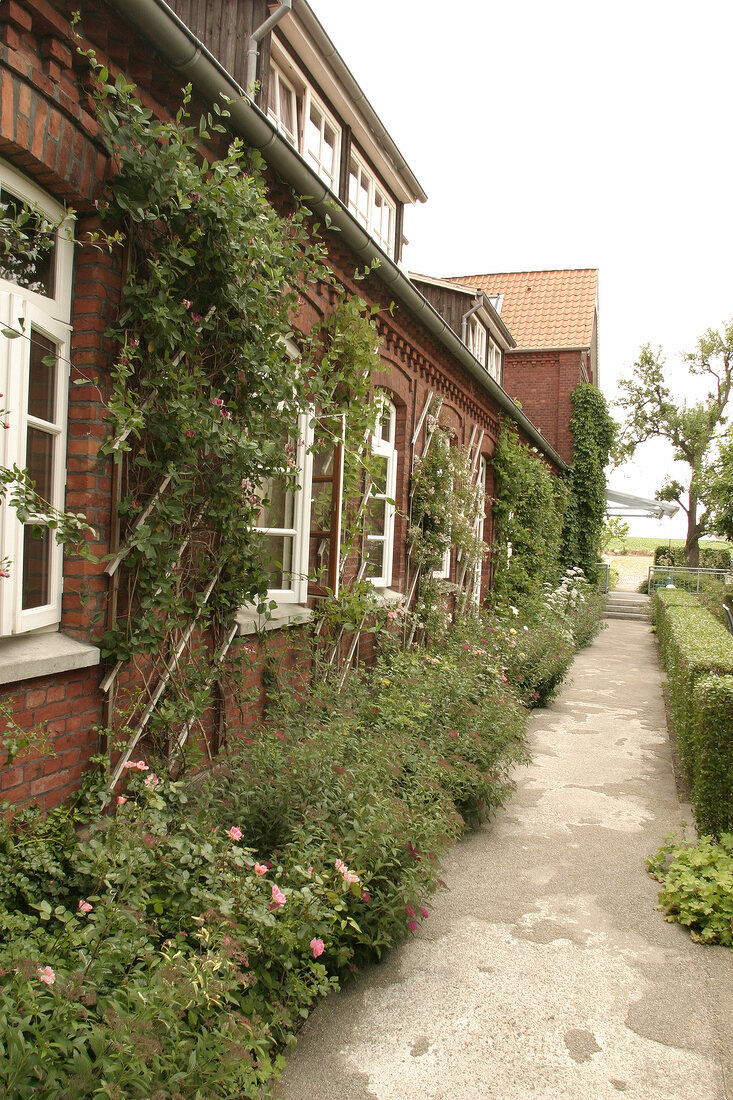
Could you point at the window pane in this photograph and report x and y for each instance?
(323, 462)
(42, 379)
(39, 461)
(379, 474)
(321, 499)
(376, 516)
(280, 509)
(288, 109)
(319, 557)
(278, 558)
(36, 568)
(375, 558)
(32, 269)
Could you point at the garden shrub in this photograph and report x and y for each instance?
(697, 652)
(697, 883)
(712, 787)
(173, 949)
(710, 557)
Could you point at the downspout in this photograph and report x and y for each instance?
(464, 319)
(253, 46)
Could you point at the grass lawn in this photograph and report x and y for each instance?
(648, 546)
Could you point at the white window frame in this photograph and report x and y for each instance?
(377, 197)
(478, 337)
(385, 448)
(479, 530)
(297, 592)
(493, 361)
(25, 311)
(304, 99)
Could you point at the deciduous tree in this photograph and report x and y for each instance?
(693, 429)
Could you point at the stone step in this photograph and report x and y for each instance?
(627, 605)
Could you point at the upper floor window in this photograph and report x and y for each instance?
(380, 507)
(305, 121)
(369, 203)
(494, 360)
(477, 339)
(36, 257)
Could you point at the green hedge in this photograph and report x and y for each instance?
(713, 754)
(710, 557)
(697, 652)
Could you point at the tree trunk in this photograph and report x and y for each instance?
(692, 542)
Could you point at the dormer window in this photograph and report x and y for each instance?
(493, 363)
(305, 122)
(369, 203)
(477, 337)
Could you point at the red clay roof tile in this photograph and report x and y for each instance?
(544, 309)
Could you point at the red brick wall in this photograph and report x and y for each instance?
(543, 382)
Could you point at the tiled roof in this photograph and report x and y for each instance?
(544, 309)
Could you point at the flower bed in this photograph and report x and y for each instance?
(174, 948)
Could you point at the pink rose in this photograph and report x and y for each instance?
(277, 895)
(412, 925)
(85, 906)
(46, 975)
(235, 832)
(121, 800)
(317, 946)
(260, 869)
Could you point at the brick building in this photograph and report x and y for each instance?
(319, 137)
(553, 317)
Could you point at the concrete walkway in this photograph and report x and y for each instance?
(544, 972)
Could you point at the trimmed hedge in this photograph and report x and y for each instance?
(713, 752)
(710, 558)
(697, 652)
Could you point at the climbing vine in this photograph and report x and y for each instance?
(210, 387)
(528, 516)
(594, 432)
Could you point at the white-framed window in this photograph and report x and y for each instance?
(477, 337)
(35, 301)
(284, 520)
(443, 572)
(305, 121)
(379, 528)
(369, 203)
(493, 362)
(479, 529)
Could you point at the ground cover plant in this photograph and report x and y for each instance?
(632, 544)
(173, 947)
(697, 886)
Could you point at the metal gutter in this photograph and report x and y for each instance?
(172, 38)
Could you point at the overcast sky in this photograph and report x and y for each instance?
(582, 133)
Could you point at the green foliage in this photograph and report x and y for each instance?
(528, 513)
(615, 535)
(711, 557)
(697, 652)
(692, 430)
(697, 888)
(712, 739)
(594, 433)
(720, 489)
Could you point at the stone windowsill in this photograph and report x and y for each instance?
(27, 656)
(386, 597)
(285, 614)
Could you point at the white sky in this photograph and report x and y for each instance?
(581, 133)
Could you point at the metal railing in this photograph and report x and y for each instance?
(678, 576)
(604, 576)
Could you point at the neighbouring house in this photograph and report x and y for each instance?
(318, 137)
(553, 317)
